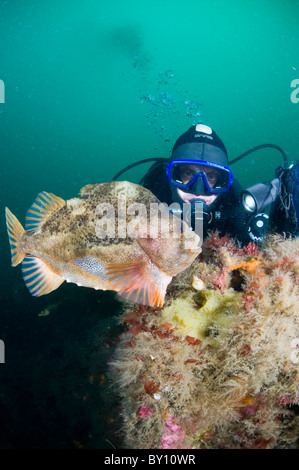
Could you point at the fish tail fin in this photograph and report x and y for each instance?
(15, 232)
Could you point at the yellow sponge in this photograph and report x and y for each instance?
(205, 314)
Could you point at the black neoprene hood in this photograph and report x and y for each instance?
(200, 142)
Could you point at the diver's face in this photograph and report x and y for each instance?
(187, 172)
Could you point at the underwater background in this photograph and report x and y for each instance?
(91, 87)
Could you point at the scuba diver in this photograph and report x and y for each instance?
(198, 174)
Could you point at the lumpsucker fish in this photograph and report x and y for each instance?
(115, 236)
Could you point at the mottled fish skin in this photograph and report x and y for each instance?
(66, 244)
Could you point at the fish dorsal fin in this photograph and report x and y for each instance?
(39, 277)
(44, 206)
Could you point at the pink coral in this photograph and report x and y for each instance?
(251, 249)
(145, 411)
(173, 435)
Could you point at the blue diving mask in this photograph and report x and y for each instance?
(199, 176)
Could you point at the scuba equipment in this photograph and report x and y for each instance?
(161, 160)
(257, 227)
(236, 208)
(284, 213)
(201, 154)
(254, 200)
(283, 195)
(259, 196)
(201, 215)
(184, 174)
(156, 159)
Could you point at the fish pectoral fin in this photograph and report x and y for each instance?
(139, 281)
(38, 277)
(44, 206)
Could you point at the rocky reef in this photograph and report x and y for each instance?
(218, 365)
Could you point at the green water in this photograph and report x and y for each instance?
(92, 86)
